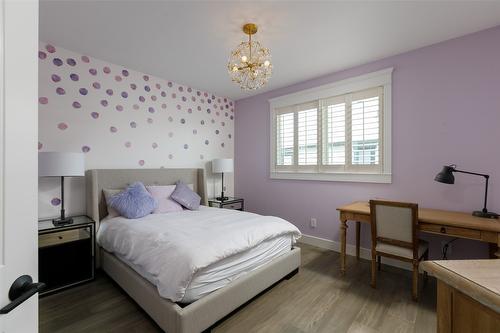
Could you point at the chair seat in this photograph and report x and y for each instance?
(402, 251)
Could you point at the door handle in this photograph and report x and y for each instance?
(22, 289)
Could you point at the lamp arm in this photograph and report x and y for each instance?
(487, 177)
(472, 173)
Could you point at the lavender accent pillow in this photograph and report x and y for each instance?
(162, 195)
(185, 196)
(134, 202)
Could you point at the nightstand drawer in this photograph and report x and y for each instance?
(61, 237)
(235, 205)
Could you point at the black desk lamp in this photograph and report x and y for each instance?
(446, 177)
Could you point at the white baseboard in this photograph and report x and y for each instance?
(364, 253)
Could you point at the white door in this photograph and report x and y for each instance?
(18, 158)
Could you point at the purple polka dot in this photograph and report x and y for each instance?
(151, 109)
(216, 131)
(179, 107)
(174, 95)
(229, 136)
(71, 62)
(170, 134)
(94, 115)
(133, 124)
(212, 121)
(74, 77)
(207, 142)
(42, 55)
(142, 99)
(198, 93)
(106, 70)
(150, 120)
(57, 62)
(231, 117)
(205, 94)
(76, 105)
(119, 108)
(222, 145)
(186, 146)
(223, 123)
(113, 129)
(118, 78)
(170, 84)
(104, 102)
(62, 126)
(164, 106)
(85, 59)
(109, 92)
(154, 145)
(198, 108)
(193, 98)
(190, 110)
(181, 89)
(146, 78)
(43, 100)
(128, 144)
(170, 119)
(147, 88)
(55, 78)
(83, 91)
(125, 72)
(55, 201)
(163, 94)
(208, 111)
(96, 85)
(153, 98)
(124, 94)
(141, 162)
(183, 121)
(184, 98)
(60, 91)
(209, 101)
(50, 48)
(40, 145)
(202, 122)
(136, 107)
(170, 156)
(133, 86)
(93, 71)
(189, 89)
(195, 132)
(85, 149)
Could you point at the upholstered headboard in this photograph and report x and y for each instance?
(100, 179)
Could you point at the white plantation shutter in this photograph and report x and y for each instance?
(334, 138)
(285, 139)
(307, 132)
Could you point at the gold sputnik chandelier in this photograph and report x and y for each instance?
(250, 64)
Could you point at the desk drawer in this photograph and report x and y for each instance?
(61, 237)
(450, 231)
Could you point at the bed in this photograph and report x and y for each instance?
(201, 304)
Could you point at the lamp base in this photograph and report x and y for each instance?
(487, 215)
(59, 222)
(222, 198)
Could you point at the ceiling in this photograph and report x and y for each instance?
(189, 42)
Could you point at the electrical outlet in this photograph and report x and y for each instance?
(313, 223)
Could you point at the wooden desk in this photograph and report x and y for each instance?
(468, 295)
(455, 224)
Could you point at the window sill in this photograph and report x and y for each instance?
(385, 178)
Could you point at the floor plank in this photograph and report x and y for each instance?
(317, 299)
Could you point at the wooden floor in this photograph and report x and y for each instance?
(317, 299)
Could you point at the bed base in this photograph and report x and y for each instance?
(201, 315)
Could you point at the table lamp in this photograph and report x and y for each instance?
(221, 165)
(446, 177)
(58, 164)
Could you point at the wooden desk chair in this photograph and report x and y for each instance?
(394, 235)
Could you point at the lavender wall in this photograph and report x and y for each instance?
(446, 109)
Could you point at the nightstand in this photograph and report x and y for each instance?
(230, 203)
(66, 253)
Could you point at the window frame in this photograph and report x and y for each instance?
(381, 78)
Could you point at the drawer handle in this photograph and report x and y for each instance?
(60, 237)
(443, 230)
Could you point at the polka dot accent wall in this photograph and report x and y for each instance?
(121, 118)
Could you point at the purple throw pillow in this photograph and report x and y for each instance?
(185, 196)
(134, 202)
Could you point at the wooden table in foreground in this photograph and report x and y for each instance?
(455, 224)
(468, 295)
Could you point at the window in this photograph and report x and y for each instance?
(335, 132)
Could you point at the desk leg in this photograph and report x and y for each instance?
(498, 247)
(358, 230)
(343, 231)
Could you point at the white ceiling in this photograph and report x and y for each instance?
(189, 42)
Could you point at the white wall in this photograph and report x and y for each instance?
(173, 126)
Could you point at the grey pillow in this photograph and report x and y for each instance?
(185, 196)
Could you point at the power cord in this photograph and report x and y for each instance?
(445, 248)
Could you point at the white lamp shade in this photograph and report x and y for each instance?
(222, 165)
(56, 164)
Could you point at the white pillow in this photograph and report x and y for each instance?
(108, 193)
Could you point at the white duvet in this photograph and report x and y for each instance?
(173, 247)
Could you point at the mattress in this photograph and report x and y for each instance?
(221, 273)
(189, 254)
